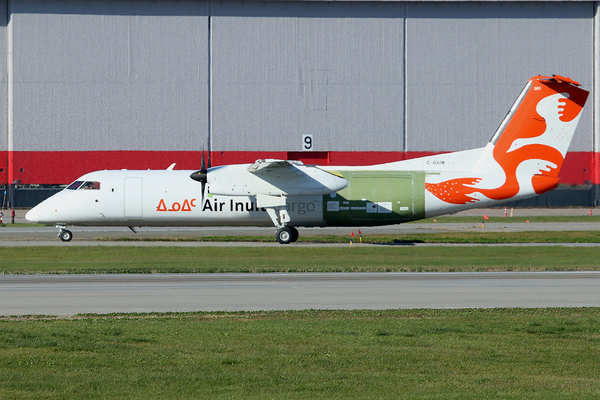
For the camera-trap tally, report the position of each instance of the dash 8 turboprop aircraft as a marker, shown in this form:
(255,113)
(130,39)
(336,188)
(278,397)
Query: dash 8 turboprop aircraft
(522,159)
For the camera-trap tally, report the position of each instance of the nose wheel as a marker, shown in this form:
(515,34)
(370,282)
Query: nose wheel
(65,235)
(286,234)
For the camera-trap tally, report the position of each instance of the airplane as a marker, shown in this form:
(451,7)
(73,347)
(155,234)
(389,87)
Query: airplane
(522,160)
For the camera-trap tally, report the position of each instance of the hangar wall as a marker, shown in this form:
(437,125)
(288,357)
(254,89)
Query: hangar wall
(102,84)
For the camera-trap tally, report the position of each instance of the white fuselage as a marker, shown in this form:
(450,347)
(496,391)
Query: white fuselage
(161,198)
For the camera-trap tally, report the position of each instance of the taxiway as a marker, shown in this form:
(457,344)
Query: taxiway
(76,294)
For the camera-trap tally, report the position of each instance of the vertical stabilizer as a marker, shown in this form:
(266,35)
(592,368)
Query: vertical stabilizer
(526,153)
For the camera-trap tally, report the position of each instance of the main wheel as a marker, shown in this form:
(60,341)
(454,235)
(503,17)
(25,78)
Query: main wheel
(65,235)
(284,235)
(295,233)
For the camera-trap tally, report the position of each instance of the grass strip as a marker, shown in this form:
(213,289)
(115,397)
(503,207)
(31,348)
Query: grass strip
(430,237)
(497,237)
(18,260)
(409,354)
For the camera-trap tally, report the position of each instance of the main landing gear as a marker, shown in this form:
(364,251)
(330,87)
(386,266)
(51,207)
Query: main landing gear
(280,217)
(65,235)
(286,234)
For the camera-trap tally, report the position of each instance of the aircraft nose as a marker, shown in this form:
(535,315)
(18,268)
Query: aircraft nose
(39,214)
(32,215)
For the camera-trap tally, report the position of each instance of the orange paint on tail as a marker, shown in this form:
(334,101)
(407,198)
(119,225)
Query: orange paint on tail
(453,191)
(527,136)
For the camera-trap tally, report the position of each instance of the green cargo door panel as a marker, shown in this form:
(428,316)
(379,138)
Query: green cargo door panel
(376,198)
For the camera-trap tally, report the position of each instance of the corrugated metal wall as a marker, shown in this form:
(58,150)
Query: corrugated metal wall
(3,78)
(467,62)
(104,75)
(334,70)
(256,76)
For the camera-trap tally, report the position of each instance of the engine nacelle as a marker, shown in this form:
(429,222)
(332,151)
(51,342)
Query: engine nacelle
(294,180)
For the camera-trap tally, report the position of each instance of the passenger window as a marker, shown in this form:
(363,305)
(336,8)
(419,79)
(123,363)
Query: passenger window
(75,185)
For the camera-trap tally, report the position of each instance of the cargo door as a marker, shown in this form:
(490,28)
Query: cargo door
(383,196)
(376,198)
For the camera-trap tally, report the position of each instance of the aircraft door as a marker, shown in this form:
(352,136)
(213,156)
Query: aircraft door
(384,195)
(375,198)
(133,198)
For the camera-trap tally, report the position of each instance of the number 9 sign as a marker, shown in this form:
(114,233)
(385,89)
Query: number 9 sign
(307,142)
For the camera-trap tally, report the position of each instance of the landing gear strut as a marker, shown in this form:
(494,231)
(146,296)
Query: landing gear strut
(65,235)
(286,234)
(276,208)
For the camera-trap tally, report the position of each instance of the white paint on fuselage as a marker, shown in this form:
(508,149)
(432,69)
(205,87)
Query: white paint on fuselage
(459,161)
(168,198)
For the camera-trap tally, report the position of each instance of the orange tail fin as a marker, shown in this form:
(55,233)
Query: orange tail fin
(529,147)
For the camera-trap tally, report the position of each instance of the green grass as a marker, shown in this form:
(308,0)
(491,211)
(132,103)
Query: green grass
(22,225)
(402,354)
(430,237)
(19,260)
(495,237)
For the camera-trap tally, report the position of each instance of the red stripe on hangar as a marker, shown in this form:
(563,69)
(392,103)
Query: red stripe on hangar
(62,167)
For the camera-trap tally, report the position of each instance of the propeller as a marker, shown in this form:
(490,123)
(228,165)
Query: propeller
(201,176)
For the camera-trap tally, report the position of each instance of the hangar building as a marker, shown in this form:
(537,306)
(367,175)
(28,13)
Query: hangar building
(138,84)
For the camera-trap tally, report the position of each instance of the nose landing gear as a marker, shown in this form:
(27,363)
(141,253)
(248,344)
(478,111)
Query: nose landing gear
(65,235)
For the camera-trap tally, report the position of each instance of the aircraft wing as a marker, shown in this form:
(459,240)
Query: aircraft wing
(274,178)
(279,168)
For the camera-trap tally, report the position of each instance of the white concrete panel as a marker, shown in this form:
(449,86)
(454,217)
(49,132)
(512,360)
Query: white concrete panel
(467,62)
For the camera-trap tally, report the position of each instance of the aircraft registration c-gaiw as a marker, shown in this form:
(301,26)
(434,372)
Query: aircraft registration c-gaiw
(522,159)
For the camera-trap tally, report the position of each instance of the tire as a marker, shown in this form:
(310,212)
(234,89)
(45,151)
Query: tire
(65,235)
(295,233)
(284,235)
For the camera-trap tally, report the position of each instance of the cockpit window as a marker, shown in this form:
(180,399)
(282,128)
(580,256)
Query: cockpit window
(75,185)
(81,185)
(90,186)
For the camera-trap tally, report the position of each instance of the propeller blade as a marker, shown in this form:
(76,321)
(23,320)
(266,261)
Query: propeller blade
(201,176)
(203,185)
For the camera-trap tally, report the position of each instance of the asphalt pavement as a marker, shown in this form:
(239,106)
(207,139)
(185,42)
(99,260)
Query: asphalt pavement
(76,294)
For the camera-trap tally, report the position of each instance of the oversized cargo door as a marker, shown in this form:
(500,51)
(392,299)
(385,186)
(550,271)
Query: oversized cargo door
(133,197)
(376,198)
